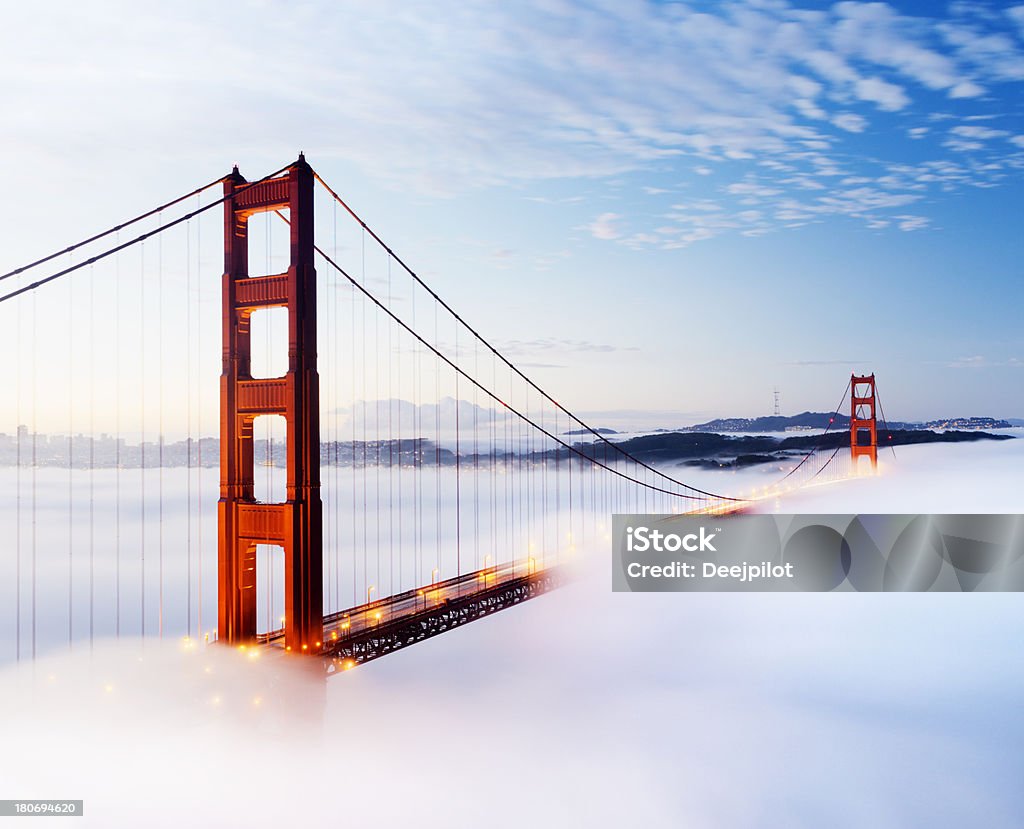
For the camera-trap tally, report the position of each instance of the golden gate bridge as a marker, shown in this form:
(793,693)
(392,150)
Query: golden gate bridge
(352,526)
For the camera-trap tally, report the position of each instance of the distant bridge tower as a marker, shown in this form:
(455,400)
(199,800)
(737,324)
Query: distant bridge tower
(863,426)
(295,525)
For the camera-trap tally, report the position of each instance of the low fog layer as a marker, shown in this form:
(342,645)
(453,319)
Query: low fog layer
(983,477)
(582,707)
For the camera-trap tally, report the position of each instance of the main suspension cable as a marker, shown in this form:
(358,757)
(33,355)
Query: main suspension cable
(572,448)
(114,229)
(821,437)
(141,238)
(500,356)
(888,431)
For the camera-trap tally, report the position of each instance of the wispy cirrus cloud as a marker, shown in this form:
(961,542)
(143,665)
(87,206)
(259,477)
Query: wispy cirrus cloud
(808,363)
(553,345)
(462,95)
(979,361)
(604,226)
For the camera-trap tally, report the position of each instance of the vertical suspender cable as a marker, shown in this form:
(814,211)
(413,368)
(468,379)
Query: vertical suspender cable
(362,363)
(268,443)
(437,451)
(417,483)
(336,372)
(352,426)
(35,458)
(71,459)
(117,443)
(331,378)
(458,472)
(92,454)
(398,430)
(160,428)
(391,456)
(142,441)
(376,434)
(188,427)
(493,434)
(199,426)
(476,462)
(17,535)
(556,473)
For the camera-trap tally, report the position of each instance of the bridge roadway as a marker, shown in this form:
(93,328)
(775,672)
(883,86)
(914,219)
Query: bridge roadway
(371,630)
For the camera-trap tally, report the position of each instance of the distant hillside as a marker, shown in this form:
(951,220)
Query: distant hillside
(717,450)
(820,420)
(969,423)
(772,423)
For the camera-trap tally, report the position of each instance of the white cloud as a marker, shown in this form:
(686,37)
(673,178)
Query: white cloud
(752,189)
(850,121)
(809,109)
(804,183)
(640,83)
(966,89)
(887,95)
(994,52)
(601,90)
(604,226)
(962,145)
(908,223)
(977,361)
(972,131)
(1016,14)
(876,33)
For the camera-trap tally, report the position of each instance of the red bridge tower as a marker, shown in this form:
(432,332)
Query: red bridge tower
(863,426)
(295,525)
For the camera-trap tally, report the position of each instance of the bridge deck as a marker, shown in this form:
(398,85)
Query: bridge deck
(376,628)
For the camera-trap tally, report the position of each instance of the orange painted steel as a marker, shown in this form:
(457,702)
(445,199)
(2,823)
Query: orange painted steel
(862,418)
(297,524)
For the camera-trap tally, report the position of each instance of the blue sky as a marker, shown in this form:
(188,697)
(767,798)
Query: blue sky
(671,206)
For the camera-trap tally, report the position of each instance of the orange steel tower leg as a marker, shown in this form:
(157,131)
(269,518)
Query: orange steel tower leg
(295,525)
(862,419)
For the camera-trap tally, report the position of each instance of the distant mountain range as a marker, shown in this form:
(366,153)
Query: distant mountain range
(713,450)
(820,420)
